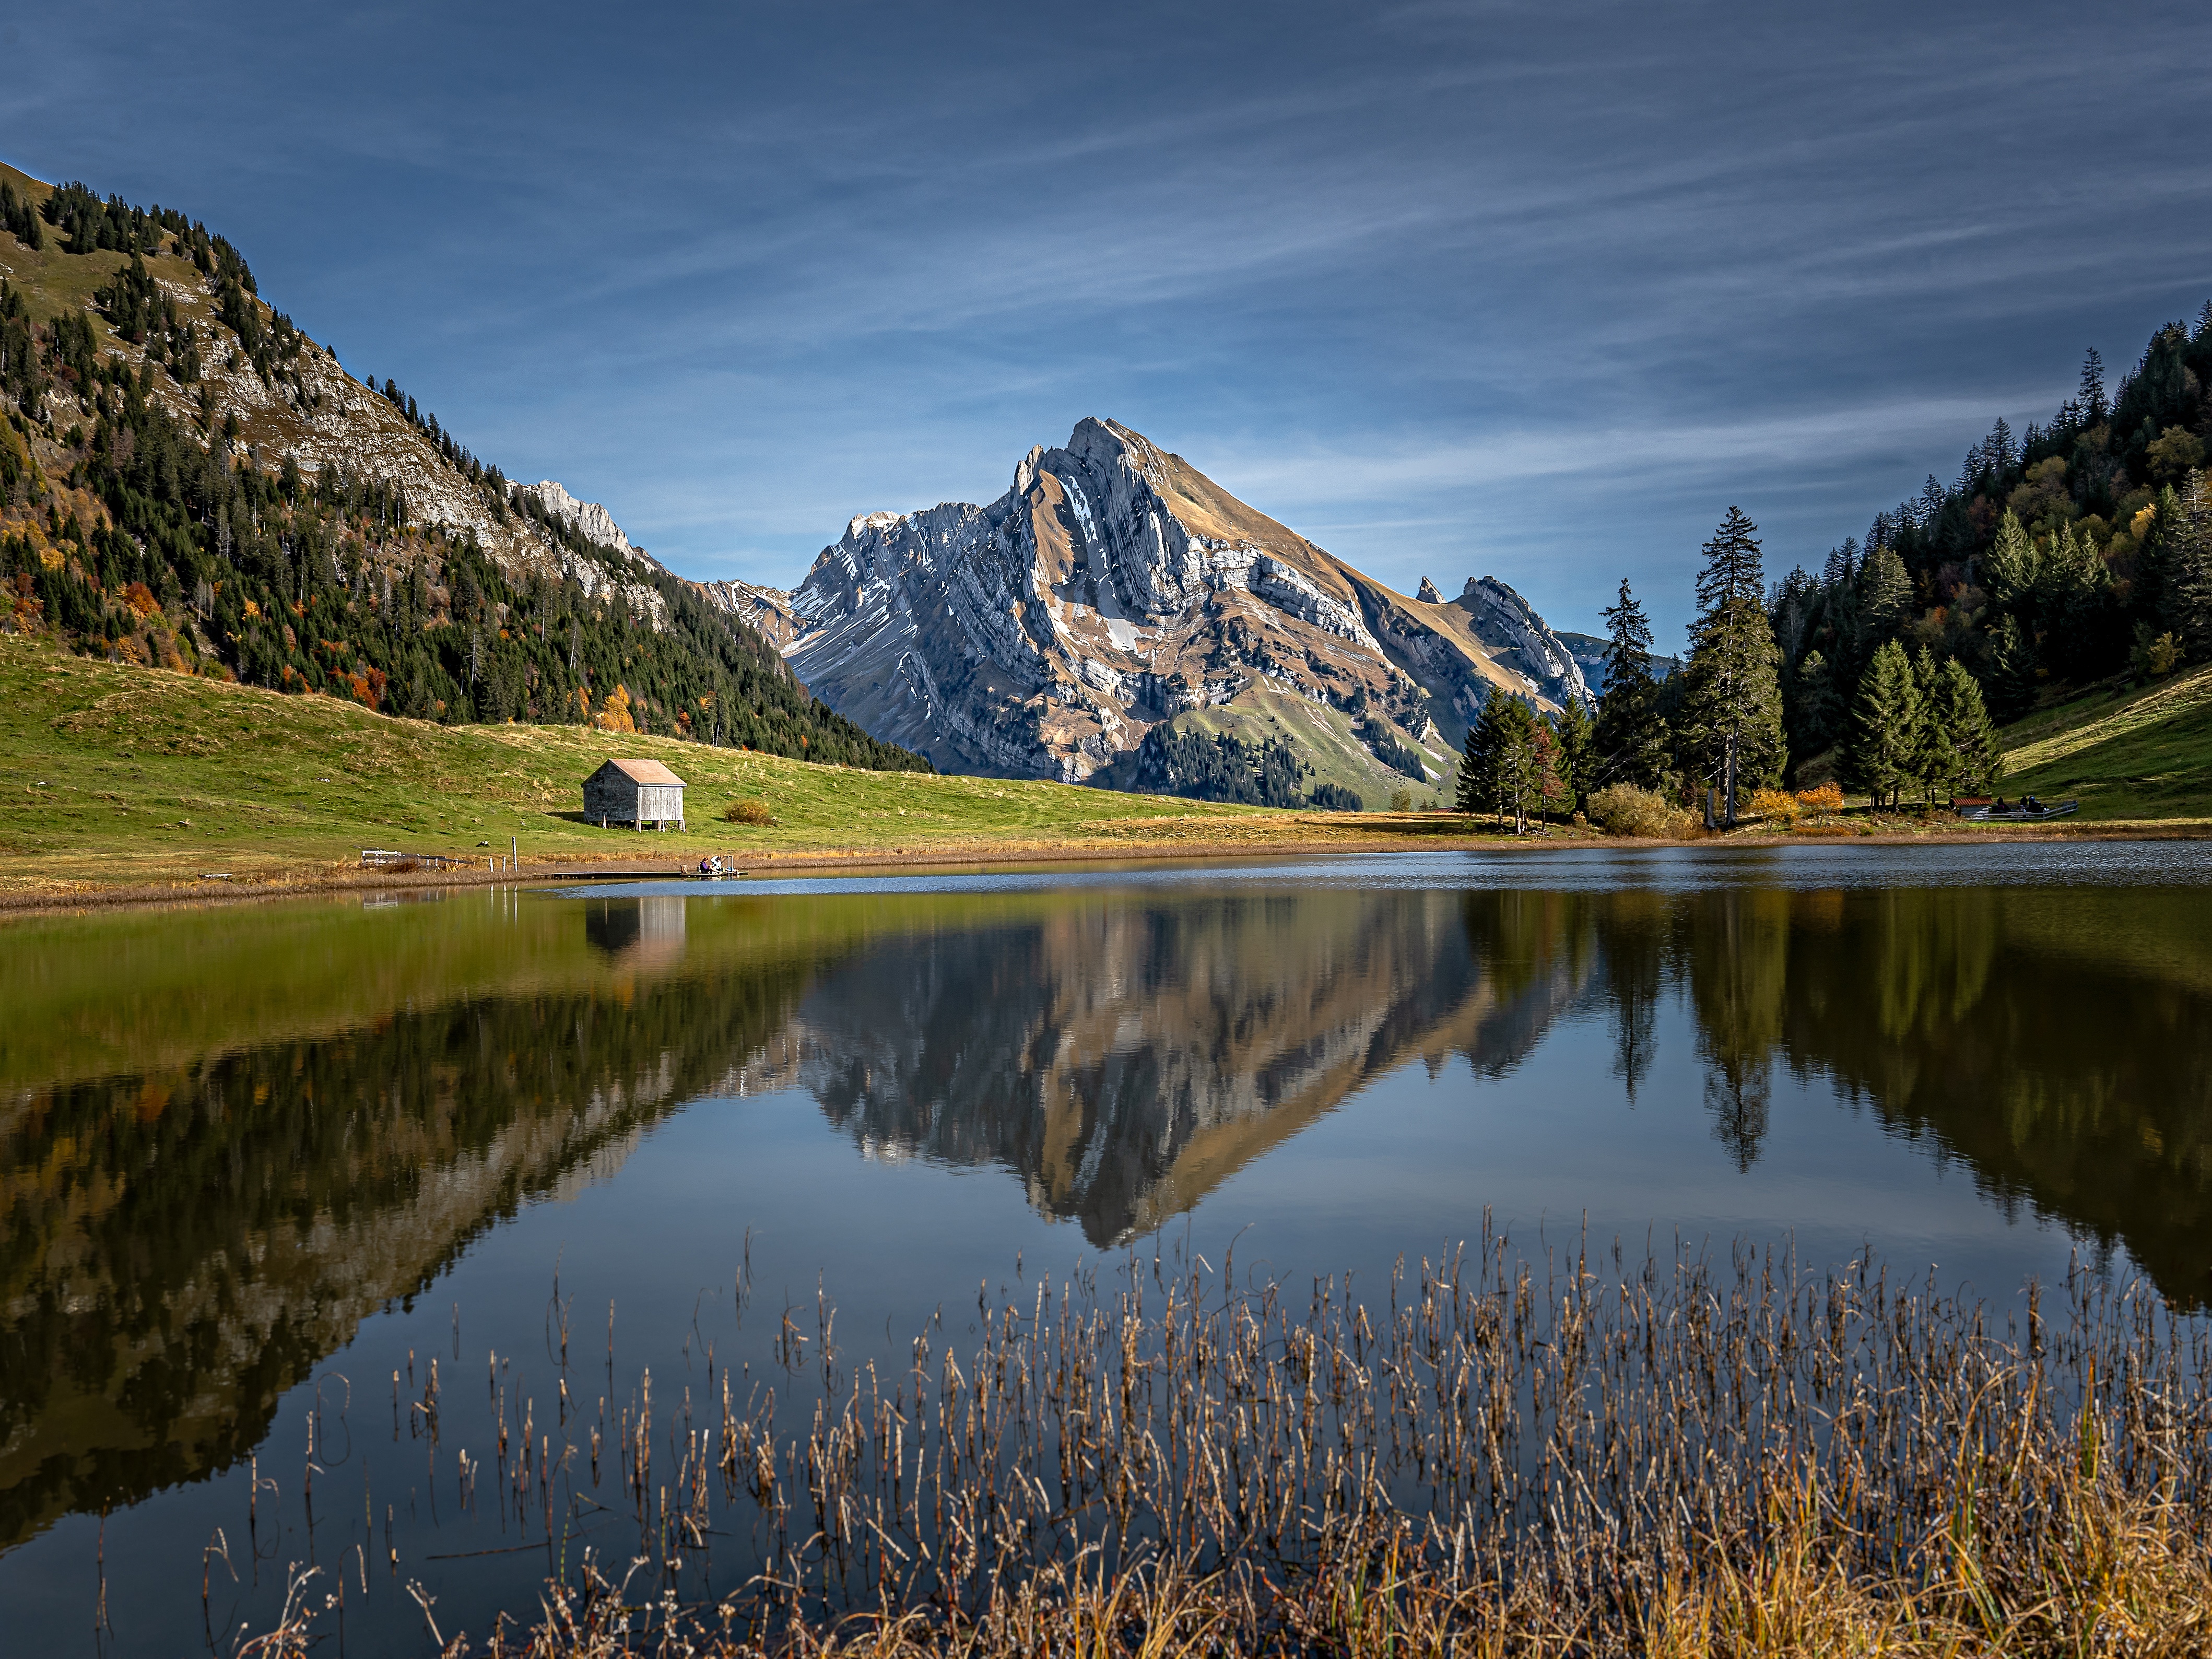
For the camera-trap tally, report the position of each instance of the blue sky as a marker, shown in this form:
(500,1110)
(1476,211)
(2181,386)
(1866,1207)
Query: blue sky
(1535,291)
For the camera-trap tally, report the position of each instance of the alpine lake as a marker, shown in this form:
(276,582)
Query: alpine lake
(353,1235)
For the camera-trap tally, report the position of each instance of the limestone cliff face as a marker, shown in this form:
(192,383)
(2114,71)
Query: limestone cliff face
(1112,587)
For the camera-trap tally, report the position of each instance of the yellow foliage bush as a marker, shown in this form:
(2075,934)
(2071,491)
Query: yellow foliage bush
(749,812)
(1776,803)
(1624,810)
(614,713)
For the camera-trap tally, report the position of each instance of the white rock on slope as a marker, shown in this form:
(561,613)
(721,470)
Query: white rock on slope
(589,517)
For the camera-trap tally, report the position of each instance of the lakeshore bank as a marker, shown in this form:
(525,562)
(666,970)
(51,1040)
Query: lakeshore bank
(124,784)
(72,884)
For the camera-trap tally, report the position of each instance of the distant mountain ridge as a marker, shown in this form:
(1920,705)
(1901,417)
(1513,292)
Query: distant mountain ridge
(1115,592)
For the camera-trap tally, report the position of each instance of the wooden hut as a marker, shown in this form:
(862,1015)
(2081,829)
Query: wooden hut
(634,792)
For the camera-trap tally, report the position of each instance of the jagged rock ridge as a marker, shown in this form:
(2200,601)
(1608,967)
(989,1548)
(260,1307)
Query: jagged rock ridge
(1115,587)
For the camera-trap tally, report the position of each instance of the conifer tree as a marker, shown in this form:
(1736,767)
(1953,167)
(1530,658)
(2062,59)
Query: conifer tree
(1964,718)
(1818,707)
(1576,738)
(2012,663)
(2073,591)
(1883,747)
(1529,775)
(1479,763)
(1935,764)
(2184,538)
(2093,406)
(1885,594)
(1510,765)
(2014,564)
(1733,703)
(1631,738)
(1628,640)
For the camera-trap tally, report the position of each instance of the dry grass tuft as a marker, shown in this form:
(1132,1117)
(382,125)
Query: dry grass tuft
(1622,809)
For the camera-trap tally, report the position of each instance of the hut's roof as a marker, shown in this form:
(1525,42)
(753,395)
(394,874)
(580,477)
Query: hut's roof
(644,771)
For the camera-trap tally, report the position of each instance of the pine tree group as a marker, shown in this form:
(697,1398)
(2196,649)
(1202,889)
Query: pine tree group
(1511,766)
(1917,723)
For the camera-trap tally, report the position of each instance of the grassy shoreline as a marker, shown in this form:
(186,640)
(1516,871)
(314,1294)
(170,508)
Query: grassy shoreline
(130,785)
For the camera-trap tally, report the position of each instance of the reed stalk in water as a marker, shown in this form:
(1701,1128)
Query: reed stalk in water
(1484,1456)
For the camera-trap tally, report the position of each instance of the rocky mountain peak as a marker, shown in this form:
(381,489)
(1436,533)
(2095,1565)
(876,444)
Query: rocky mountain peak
(1115,590)
(1428,595)
(1524,643)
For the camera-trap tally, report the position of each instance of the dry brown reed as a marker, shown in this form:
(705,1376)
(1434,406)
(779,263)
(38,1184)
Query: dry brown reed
(1484,1455)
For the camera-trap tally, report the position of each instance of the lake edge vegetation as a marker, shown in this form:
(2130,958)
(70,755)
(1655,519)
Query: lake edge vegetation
(1577,1455)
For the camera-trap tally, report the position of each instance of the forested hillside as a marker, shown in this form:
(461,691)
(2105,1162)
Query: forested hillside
(188,480)
(2066,555)
(2077,554)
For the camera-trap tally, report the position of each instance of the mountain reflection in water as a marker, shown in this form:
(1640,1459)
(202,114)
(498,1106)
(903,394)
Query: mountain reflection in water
(1124,1059)
(224,1143)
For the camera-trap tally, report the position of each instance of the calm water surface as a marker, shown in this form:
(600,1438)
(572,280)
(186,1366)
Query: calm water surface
(260,1167)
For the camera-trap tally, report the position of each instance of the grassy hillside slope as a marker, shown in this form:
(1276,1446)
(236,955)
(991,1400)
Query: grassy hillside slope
(1324,740)
(118,774)
(2140,753)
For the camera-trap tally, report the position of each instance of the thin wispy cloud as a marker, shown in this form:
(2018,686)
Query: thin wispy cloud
(1531,288)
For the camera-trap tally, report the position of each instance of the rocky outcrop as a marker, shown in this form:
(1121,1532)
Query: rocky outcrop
(1519,640)
(1112,587)
(766,610)
(314,413)
(589,517)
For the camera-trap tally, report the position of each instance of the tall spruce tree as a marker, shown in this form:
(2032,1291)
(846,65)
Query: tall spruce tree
(1817,708)
(1527,764)
(1732,703)
(1631,739)
(1479,763)
(2184,538)
(1936,764)
(2014,562)
(1964,718)
(1883,748)
(2073,592)
(1577,740)
(1510,763)
(2013,666)
(1884,596)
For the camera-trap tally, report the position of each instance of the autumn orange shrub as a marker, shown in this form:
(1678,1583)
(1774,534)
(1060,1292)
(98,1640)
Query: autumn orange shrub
(1828,798)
